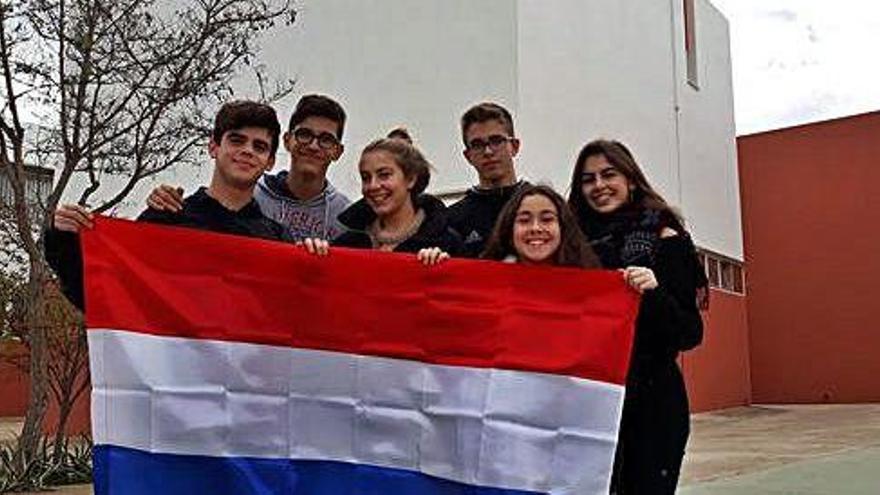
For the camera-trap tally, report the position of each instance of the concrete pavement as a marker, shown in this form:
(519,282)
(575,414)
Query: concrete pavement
(791,449)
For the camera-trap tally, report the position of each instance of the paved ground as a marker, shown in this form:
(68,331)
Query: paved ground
(68,490)
(9,428)
(761,450)
(845,473)
(775,450)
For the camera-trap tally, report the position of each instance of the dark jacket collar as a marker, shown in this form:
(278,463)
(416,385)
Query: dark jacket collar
(495,192)
(202,200)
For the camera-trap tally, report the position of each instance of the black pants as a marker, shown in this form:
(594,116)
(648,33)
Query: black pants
(653,434)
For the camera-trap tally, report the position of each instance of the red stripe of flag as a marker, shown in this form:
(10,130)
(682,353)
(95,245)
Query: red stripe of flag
(187,283)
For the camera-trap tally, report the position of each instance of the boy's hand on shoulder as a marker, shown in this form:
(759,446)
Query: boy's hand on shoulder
(166,198)
(72,218)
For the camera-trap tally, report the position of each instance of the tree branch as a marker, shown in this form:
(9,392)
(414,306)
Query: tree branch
(12,103)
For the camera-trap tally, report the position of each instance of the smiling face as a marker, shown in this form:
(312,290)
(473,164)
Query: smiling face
(536,232)
(604,187)
(242,155)
(383,184)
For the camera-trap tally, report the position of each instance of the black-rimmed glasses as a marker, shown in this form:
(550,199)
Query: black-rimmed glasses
(305,136)
(494,142)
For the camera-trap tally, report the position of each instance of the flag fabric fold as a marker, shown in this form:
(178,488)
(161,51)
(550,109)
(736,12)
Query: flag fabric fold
(231,365)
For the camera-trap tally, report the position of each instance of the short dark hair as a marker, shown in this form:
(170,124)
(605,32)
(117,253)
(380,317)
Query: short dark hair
(239,114)
(410,160)
(483,112)
(318,106)
(574,250)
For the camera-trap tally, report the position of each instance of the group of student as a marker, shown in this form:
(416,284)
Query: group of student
(611,219)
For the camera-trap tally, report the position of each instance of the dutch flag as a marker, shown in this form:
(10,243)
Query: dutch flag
(229,365)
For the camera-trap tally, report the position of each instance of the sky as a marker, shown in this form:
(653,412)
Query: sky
(798,61)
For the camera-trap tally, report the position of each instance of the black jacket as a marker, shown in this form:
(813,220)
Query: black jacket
(434,231)
(474,216)
(655,425)
(200,211)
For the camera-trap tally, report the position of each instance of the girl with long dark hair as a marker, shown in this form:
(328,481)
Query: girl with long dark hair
(536,227)
(633,228)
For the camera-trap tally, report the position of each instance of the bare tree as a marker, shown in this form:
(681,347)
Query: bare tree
(68,372)
(67,348)
(113,91)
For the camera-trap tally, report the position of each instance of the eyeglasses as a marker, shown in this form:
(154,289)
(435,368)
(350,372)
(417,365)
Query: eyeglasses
(494,142)
(305,136)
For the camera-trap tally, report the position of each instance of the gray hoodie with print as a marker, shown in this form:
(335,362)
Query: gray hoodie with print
(315,217)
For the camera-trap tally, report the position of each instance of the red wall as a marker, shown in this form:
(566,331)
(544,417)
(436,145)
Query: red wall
(15,389)
(13,386)
(79,422)
(717,372)
(811,227)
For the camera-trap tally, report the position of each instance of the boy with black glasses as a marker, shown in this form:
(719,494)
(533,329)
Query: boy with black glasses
(490,147)
(301,198)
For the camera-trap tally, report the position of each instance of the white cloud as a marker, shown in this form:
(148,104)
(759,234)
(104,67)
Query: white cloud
(797,61)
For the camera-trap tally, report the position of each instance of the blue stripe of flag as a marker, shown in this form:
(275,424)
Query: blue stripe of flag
(120,470)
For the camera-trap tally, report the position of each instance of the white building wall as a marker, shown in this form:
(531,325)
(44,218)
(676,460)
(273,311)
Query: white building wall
(593,69)
(399,62)
(708,173)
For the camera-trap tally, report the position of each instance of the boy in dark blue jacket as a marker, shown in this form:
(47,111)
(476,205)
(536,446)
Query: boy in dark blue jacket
(243,146)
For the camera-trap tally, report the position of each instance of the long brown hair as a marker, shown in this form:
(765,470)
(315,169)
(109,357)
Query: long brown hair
(573,247)
(620,157)
(643,196)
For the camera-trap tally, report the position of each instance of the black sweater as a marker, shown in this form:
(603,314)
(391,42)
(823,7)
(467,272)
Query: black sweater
(434,231)
(669,320)
(200,211)
(474,216)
